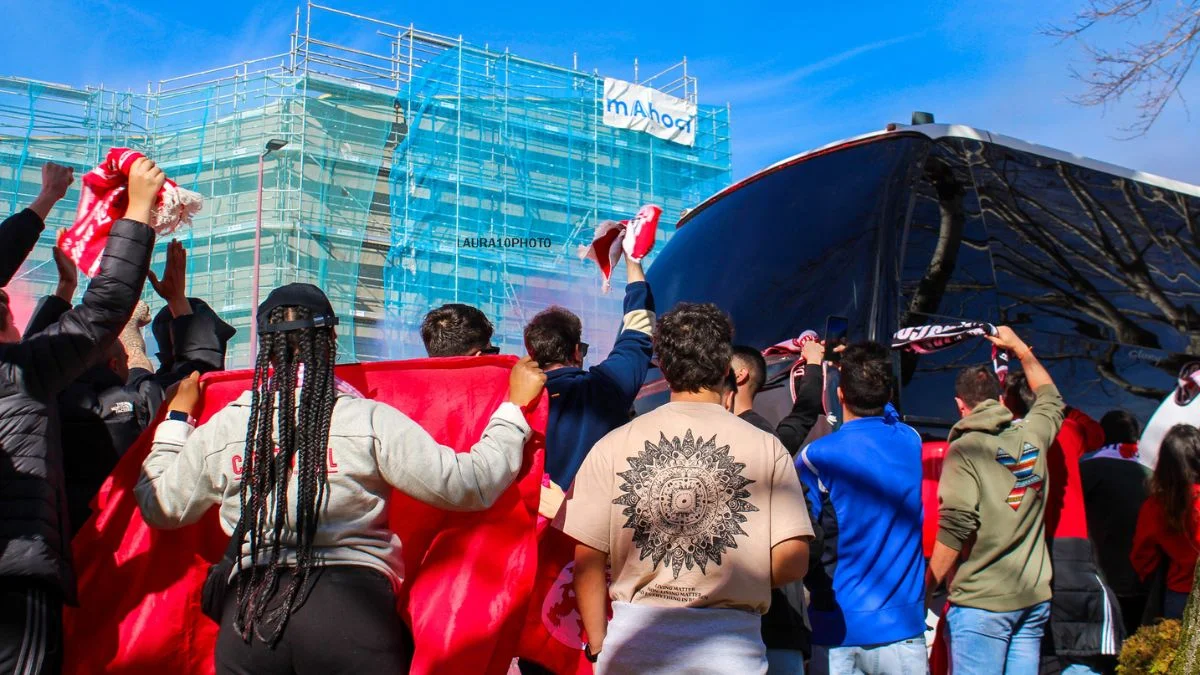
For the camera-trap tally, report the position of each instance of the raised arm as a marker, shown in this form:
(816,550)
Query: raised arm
(625,368)
(414,463)
(19,233)
(177,484)
(1046,415)
(794,428)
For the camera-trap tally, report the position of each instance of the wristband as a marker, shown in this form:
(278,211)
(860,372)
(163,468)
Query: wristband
(587,653)
(180,416)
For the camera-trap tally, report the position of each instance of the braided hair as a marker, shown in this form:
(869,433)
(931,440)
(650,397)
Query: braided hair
(287,360)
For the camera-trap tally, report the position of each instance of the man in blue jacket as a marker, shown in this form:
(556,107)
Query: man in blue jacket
(864,483)
(587,404)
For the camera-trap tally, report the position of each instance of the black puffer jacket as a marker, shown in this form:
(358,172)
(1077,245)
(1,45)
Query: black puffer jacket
(103,415)
(33,519)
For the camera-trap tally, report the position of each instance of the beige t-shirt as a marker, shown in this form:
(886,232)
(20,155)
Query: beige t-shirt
(687,500)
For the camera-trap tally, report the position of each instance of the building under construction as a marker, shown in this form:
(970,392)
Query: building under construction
(403,155)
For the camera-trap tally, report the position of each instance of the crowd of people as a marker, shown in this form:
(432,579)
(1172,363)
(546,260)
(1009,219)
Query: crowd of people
(708,539)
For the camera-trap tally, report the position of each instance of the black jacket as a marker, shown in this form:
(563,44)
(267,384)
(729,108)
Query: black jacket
(793,430)
(33,512)
(18,235)
(103,415)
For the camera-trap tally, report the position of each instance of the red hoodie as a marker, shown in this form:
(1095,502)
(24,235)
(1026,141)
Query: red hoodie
(1065,515)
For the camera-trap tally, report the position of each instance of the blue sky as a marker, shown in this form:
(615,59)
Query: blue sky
(797,77)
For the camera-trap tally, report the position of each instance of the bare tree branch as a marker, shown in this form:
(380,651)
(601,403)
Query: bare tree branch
(1150,70)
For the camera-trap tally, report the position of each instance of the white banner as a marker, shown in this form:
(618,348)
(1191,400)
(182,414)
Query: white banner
(631,106)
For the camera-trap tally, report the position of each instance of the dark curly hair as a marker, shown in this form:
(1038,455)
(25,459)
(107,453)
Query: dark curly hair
(694,344)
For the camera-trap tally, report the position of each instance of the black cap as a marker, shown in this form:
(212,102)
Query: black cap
(297,295)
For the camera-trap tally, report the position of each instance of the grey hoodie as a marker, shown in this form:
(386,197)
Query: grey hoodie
(372,449)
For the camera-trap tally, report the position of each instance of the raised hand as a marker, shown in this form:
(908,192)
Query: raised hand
(56,179)
(145,180)
(813,352)
(1008,340)
(172,287)
(68,275)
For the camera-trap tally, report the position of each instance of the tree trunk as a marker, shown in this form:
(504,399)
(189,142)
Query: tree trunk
(1187,658)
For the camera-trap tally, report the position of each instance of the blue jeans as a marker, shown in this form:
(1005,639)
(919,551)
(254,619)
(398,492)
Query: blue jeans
(906,657)
(982,641)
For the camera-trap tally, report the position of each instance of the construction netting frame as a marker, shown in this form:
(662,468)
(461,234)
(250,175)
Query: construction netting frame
(416,170)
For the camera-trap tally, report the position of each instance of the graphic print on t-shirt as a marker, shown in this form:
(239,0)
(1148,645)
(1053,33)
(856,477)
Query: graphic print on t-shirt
(1022,470)
(684,501)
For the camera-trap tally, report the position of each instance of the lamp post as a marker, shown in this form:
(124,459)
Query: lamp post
(272,145)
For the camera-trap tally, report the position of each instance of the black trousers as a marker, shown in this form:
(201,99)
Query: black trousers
(346,623)
(30,629)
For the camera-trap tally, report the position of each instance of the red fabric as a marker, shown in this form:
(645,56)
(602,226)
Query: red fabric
(635,237)
(102,201)
(1065,515)
(553,632)
(467,580)
(933,454)
(1153,538)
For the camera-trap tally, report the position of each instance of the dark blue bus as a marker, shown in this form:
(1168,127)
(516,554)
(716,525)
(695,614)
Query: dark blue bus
(1096,266)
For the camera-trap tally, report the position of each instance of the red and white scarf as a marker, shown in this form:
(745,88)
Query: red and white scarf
(635,237)
(936,337)
(794,346)
(103,200)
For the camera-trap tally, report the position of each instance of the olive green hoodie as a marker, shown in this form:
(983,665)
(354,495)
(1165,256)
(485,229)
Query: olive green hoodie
(993,487)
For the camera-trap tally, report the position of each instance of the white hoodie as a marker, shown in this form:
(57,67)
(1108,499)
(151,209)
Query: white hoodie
(372,449)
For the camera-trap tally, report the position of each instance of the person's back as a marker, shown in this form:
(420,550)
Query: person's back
(993,498)
(699,513)
(586,404)
(1168,526)
(864,484)
(1009,565)
(1114,488)
(331,550)
(36,571)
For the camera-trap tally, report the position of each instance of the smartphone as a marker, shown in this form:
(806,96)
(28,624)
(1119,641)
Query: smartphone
(836,329)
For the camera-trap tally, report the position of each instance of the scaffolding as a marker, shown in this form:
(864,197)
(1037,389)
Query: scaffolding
(418,170)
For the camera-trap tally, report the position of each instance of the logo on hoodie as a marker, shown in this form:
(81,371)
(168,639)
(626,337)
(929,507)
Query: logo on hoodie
(1022,470)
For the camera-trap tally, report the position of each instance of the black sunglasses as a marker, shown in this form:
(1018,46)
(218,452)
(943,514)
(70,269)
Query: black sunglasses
(583,349)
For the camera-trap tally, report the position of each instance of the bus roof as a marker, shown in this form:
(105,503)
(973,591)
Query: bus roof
(939,131)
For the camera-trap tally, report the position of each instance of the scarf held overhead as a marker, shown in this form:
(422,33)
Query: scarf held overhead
(467,578)
(103,200)
(936,337)
(635,237)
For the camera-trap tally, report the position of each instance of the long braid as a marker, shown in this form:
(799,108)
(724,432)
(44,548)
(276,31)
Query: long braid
(303,446)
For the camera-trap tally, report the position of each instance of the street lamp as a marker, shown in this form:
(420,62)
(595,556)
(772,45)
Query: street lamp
(272,145)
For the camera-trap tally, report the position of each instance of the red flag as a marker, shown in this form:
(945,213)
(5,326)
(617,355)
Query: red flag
(467,580)
(635,237)
(553,632)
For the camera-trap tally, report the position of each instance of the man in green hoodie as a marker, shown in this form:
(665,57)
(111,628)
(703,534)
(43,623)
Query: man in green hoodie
(992,497)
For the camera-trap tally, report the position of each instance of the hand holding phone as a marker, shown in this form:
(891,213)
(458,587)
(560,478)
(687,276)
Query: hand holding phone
(836,330)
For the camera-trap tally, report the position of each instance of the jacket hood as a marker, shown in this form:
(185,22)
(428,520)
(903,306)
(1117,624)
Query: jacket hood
(990,417)
(161,329)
